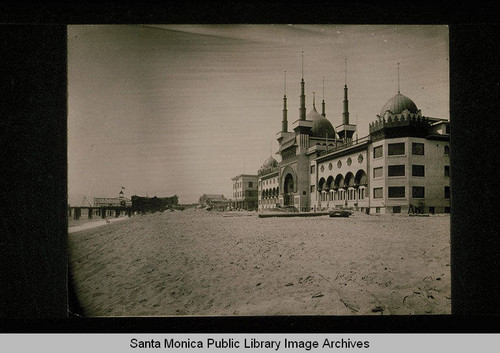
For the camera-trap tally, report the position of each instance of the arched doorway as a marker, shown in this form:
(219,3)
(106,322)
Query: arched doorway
(321,188)
(338,184)
(329,187)
(361,179)
(288,190)
(360,183)
(349,186)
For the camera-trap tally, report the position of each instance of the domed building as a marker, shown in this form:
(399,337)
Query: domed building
(398,105)
(321,127)
(268,184)
(269,163)
(402,166)
(313,136)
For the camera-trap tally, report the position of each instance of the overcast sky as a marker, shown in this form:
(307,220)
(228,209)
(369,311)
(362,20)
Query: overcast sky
(182,109)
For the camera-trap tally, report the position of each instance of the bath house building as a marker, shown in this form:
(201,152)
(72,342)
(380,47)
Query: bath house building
(402,166)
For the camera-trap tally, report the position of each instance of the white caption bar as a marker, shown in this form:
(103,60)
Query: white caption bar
(249,343)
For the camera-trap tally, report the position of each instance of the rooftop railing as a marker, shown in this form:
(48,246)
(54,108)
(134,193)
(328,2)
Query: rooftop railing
(341,145)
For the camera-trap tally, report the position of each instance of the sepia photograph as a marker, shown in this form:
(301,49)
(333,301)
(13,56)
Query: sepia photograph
(258,170)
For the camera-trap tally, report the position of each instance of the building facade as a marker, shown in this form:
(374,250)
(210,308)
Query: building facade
(402,166)
(268,184)
(245,192)
(120,201)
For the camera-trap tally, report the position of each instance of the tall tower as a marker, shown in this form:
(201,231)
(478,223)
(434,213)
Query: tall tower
(294,167)
(346,130)
(323,102)
(284,122)
(302,127)
(302,109)
(345,114)
(399,92)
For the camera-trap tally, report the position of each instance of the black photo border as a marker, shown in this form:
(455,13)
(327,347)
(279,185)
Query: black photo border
(33,126)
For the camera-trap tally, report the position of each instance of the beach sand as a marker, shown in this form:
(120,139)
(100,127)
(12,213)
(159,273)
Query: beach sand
(76,225)
(196,262)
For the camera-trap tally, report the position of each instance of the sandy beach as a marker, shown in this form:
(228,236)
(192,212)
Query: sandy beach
(85,223)
(196,262)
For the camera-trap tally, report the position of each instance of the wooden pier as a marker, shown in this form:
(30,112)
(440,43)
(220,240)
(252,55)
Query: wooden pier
(103,212)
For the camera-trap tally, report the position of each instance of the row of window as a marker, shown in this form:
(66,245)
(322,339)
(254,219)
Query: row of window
(417,192)
(339,164)
(350,194)
(249,193)
(267,182)
(269,193)
(398,149)
(432,210)
(239,184)
(399,170)
(272,201)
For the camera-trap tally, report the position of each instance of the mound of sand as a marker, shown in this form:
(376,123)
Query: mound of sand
(204,263)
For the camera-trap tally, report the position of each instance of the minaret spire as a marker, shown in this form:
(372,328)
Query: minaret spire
(346,130)
(302,65)
(302,109)
(345,114)
(345,72)
(314,100)
(284,88)
(398,80)
(323,102)
(284,122)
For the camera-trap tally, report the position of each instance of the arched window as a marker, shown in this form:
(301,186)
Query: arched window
(349,179)
(330,182)
(360,178)
(446,149)
(321,183)
(339,181)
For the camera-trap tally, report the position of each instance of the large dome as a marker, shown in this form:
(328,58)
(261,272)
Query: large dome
(270,162)
(321,125)
(398,104)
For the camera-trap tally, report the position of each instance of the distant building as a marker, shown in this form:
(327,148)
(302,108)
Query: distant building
(153,204)
(119,201)
(218,202)
(245,192)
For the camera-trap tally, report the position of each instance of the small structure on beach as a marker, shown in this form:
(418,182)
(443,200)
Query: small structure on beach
(340,213)
(153,204)
(214,201)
